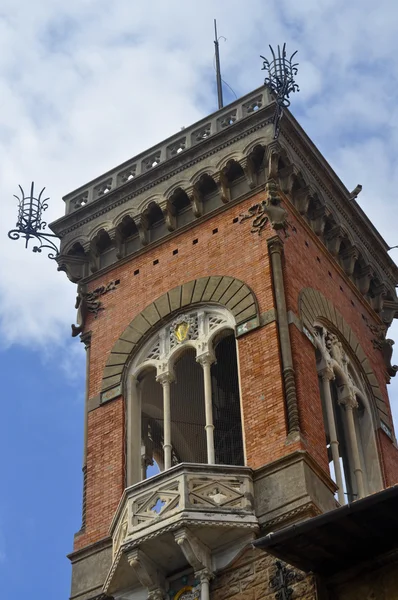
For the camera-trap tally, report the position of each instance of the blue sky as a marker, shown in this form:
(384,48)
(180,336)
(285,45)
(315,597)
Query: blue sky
(87,84)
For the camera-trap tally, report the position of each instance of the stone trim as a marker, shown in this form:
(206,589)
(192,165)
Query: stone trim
(275,249)
(315,164)
(314,306)
(226,291)
(93,403)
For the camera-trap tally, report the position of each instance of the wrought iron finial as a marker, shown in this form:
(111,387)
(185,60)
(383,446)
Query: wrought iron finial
(30,223)
(280,80)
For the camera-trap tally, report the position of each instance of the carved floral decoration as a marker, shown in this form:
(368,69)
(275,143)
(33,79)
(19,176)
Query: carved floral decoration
(88,302)
(269,210)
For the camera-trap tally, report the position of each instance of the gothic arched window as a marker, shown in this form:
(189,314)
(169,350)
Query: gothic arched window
(183,395)
(349,428)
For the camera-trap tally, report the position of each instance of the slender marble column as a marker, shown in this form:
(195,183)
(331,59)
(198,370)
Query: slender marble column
(206,360)
(134,472)
(204,577)
(165,379)
(327,375)
(350,403)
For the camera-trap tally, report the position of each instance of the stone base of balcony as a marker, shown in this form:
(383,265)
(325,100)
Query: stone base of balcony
(291,489)
(195,516)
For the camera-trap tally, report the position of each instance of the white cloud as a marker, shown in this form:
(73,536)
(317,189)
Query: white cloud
(87,84)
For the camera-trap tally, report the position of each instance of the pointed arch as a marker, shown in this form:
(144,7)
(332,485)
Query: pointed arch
(313,307)
(225,291)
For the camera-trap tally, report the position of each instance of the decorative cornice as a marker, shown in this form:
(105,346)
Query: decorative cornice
(293,135)
(123,194)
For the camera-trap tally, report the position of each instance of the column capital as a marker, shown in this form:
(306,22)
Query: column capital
(275,245)
(165,377)
(327,373)
(207,358)
(349,400)
(204,575)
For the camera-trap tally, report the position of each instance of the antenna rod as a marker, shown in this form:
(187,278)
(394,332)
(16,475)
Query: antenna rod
(218,69)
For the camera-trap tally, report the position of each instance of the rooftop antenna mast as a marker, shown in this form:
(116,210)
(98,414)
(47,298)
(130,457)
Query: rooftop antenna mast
(218,69)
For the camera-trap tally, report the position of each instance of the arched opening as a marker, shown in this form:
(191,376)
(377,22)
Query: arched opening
(183,398)
(155,221)
(226,403)
(152,433)
(104,249)
(348,422)
(181,207)
(188,410)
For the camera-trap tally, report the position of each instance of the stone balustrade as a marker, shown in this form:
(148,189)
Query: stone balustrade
(169,149)
(203,495)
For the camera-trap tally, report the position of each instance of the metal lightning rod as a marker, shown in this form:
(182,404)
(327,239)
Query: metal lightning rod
(218,68)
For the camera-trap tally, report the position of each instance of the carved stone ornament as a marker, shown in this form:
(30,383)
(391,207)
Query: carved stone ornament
(188,592)
(380,342)
(87,302)
(269,210)
(181,328)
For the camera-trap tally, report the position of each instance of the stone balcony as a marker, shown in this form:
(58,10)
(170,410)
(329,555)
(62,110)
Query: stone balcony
(191,515)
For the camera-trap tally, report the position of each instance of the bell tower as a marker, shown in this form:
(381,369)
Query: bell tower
(233,299)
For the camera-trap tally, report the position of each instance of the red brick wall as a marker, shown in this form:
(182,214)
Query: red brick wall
(236,252)
(105,470)
(232,251)
(308,264)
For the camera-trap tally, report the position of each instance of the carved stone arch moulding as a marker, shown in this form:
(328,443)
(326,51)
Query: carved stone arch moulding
(313,306)
(220,290)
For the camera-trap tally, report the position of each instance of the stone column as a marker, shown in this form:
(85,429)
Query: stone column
(165,379)
(204,577)
(275,248)
(350,402)
(86,339)
(133,432)
(327,375)
(206,360)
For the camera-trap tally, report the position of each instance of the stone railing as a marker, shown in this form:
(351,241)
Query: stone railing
(206,494)
(168,149)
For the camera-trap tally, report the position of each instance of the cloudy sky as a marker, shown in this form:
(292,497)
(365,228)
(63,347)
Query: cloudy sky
(85,85)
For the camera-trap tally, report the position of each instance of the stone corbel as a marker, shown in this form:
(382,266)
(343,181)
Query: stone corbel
(118,240)
(223,185)
(318,220)
(197,554)
(148,574)
(348,259)
(170,215)
(93,255)
(364,279)
(302,200)
(273,151)
(196,199)
(249,171)
(333,239)
(287,178)
(73,266)
(377,300)
(142,224)
(390,311)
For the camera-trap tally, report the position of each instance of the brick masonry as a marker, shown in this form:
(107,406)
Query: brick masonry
(224,247)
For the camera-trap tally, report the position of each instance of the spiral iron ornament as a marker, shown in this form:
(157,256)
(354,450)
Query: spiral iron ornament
(30,224)
(281,81)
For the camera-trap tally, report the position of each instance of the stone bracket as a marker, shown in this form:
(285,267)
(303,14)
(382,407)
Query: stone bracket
(148,573)
(197,554)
